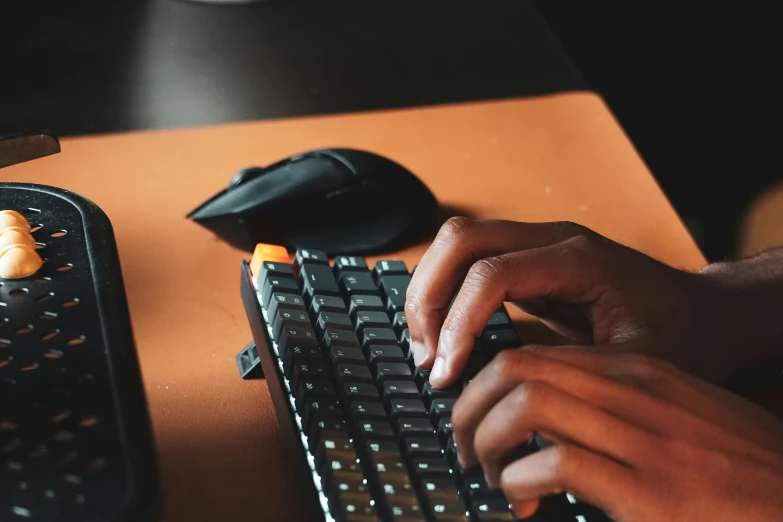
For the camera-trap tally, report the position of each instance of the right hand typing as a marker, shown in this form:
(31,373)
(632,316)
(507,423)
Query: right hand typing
(581,284)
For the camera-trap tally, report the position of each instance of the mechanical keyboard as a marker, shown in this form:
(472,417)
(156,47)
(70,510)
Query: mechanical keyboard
(369,437)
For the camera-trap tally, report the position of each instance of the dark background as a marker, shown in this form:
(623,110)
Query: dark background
(694,86)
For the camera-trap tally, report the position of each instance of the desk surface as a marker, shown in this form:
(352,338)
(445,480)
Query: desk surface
(560,157)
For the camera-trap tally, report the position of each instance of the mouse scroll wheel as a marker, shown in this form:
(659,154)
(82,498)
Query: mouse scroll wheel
(245,175)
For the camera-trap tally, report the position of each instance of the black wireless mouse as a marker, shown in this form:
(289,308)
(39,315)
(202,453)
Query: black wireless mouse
(341,201)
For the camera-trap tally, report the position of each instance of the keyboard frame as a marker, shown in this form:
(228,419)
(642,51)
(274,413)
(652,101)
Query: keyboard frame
(293,442)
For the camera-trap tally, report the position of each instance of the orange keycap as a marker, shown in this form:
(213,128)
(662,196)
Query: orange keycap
(265,252)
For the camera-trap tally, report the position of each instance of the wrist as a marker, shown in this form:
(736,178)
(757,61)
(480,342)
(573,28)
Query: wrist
(745,299)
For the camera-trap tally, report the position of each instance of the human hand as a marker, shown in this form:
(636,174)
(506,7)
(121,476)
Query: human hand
(579,283)
(632,435)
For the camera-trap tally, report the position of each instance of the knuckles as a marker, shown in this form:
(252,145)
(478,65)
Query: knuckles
(455,230)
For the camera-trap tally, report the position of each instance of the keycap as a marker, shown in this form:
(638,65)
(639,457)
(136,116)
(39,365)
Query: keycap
(327,447)
(353,373)
(448,511)
(288,319)
(273,269)
(301,336)
(339,355)
(499,320)
(319,406)
(431,467)
(405,342)
(371,320)
(364,303)
(421,376)
(326,303)
(476,486)
(384,353)
(342,338)
(367,410)
(407,408)
(378,336)
(395,371)
(399,323)
(300,353)
(428,393)
(440,408)
(343,264)
(394,288)
(285,301)
(444,429)
(404,507)
(277,284)
(360,391)
(383,268)
(421,447)
(308,370)
(399,390)
(376,429)
(351,507)
(334,320)
(306,256)
(264,252)
(412,427)
(318,280)
(309,388)
(500,338)
(326,428)
(492,510)
(344,481)
(440,489)
(358,283)
(384,451)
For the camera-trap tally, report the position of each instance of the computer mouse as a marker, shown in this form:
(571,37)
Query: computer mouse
(341,201)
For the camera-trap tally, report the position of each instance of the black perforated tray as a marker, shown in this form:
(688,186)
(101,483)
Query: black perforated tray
(75,436)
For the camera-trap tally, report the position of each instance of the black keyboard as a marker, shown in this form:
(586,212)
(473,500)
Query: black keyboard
(370,438)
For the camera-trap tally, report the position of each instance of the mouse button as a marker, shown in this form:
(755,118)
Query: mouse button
(245,175)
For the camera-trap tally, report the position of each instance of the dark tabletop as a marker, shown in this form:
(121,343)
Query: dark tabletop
(97,66)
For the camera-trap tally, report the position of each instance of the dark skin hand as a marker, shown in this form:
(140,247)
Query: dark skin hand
(631,434)
(595,292)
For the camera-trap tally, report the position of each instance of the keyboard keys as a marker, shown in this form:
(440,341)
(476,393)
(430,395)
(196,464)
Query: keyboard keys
(333,320)
(396,371)
(273,269)
(384,353)
(345,264)
(306,256)
(380,434)
(441,408)
(379,336)
(358,283)
(284,301)
(384,268)
(301,336)
(399,390)
(277,284)
(399,323)
(326,303)
(367,410)
(499,320)
(394,288)
(318,280)
(299,353)
(413,427)
(360,391)
(288,319)
(407,408)
(371,320)
(365,303)
(490,509)
(353,373)
(339,355)
(340,338)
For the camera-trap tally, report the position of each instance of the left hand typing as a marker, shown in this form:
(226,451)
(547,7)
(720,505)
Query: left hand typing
(632,435)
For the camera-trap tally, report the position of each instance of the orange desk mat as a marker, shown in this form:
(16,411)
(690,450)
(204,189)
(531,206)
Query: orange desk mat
(560,157)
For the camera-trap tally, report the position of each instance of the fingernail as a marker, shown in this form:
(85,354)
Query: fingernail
(437,370)
(419,353)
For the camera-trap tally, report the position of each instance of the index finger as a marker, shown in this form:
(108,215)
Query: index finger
(460,243)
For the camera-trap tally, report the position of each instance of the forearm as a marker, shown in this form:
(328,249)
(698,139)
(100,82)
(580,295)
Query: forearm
(750,296)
